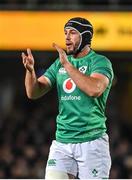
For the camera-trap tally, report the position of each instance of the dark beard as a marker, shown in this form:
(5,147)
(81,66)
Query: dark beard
(74,52)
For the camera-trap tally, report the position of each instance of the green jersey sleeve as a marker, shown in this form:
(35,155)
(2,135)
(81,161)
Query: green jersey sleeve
(103,66)
(51,73)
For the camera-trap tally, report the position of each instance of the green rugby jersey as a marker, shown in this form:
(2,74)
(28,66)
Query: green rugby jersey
(81,118)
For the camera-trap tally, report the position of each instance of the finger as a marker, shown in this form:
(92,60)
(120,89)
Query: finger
(29,52)
(59,49)
(24,57)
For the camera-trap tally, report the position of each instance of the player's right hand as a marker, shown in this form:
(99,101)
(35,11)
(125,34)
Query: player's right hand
(28,60)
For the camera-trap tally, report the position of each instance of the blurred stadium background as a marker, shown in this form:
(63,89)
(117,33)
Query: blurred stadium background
(27,127)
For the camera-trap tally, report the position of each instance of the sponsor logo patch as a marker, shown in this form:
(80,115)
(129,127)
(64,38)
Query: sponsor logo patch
(70,98)
(69,86)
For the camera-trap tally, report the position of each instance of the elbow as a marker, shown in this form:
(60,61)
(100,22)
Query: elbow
(31,96)
(94,94)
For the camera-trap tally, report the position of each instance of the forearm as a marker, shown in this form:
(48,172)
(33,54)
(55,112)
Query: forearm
(33,87)
(91,86)
(31,83)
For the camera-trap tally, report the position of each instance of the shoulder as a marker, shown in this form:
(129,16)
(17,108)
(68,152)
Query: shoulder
(99,58)
(57,61)
(101,64)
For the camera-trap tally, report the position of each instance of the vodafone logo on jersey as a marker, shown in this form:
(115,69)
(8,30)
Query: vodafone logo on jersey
(69,86)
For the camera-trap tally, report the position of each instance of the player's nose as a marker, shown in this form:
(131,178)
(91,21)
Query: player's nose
(68,36)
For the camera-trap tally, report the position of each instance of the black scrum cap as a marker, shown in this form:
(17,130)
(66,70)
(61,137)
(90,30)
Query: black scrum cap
(84,27)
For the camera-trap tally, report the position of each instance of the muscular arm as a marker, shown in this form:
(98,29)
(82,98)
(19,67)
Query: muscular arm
(93,85)
(35,88)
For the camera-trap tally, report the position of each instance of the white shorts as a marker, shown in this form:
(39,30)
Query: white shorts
(86,160)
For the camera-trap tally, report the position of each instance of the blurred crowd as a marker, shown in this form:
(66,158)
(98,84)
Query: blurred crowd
(94,2)
(65,2)
(27,128)
(26,131)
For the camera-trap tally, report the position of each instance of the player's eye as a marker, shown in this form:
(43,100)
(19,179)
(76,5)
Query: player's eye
(73,32)
(65,32)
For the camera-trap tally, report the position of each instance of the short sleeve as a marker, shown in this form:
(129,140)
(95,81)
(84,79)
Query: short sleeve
(51,72)
(103,66)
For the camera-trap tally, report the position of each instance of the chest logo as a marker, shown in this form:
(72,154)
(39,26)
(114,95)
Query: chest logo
(69,86)
(62,70)
(83,69)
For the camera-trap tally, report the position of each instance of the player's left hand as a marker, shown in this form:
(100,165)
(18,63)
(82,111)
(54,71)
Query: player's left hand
(62,54)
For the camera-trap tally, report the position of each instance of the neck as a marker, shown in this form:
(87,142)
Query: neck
(83,53)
